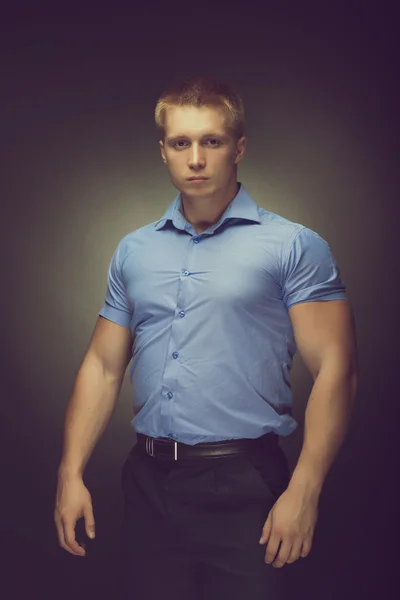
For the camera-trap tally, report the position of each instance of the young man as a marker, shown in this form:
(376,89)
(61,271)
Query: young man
(211,303)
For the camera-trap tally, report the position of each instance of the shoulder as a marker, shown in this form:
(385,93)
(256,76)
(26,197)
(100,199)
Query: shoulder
(279,230)
(290,232)
(133,239)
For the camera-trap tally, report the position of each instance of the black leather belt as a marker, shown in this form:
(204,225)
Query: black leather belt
(165,448)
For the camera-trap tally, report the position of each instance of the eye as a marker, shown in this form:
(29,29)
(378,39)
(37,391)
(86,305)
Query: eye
(212,141)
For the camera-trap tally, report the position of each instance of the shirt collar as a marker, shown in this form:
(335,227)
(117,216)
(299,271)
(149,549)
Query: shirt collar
(241,207)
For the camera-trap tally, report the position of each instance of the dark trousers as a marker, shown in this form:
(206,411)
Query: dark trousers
(191,529)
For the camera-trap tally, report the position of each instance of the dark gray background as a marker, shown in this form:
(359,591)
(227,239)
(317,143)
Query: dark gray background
(82,168)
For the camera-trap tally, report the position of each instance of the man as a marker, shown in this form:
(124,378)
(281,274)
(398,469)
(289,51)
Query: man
(211,303)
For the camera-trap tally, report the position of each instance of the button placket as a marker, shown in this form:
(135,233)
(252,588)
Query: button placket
(175,354)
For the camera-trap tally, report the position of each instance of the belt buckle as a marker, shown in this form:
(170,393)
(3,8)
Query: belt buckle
(150,448)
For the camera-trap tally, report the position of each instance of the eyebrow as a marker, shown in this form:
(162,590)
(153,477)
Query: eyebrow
(171,140)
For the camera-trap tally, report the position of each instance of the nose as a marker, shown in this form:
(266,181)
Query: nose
(196,159)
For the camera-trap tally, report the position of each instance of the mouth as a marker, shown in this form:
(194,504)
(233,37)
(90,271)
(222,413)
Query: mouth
(197,179)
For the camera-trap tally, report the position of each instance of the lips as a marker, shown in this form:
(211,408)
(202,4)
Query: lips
(197,178)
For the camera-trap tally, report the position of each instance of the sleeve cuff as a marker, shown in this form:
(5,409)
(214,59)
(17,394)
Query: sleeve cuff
(120,317)
(305,296)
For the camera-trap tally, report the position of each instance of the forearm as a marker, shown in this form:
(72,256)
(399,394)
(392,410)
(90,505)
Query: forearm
(327,419)
(88,412)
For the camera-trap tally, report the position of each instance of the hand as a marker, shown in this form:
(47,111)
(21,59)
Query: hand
(292,521)
(73,501)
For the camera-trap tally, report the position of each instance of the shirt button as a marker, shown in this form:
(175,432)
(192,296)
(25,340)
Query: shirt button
(170,394)
(175,354)
(186,273)
(182,313)
(196,241)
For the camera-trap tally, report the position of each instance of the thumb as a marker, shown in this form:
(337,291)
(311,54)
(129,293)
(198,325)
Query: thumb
(266,529)
(89,521)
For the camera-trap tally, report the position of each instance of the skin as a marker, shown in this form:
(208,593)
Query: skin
(197,142)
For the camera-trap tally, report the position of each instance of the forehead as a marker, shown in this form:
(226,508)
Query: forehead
(194,121)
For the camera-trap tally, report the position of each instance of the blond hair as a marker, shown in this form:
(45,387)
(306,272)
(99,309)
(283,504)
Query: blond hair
(202,91)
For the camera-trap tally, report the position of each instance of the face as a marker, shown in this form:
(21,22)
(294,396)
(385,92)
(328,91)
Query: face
(198,144)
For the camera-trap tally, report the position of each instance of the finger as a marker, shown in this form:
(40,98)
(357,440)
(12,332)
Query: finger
(283,554)
(266,531)
(60,533)
(89,521)
(272,548)
(69,537)
(295,552)
(306,548)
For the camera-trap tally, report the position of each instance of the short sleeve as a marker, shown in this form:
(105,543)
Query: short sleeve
(116,307)
(310,272)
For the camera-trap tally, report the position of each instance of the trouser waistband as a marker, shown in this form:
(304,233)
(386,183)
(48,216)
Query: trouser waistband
(165,448)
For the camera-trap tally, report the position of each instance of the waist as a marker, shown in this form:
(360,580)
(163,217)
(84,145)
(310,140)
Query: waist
(168,449)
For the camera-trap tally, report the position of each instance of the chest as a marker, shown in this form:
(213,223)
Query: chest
(240,270)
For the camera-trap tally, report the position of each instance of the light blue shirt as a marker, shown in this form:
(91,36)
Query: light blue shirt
(213,343)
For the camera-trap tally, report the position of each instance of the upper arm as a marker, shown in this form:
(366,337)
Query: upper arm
(325,332)
(111,346)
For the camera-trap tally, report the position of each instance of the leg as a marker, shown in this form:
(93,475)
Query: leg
(161,574)
(153,565)
(216,584)
(221,509)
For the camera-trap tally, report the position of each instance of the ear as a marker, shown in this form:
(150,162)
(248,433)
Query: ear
(240,150)
(162,151)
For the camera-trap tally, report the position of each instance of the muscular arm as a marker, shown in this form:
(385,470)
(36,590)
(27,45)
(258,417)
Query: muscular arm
(326,338)
(95,394)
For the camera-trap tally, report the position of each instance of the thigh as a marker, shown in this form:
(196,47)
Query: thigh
(166,574)
(231,558)
(152,562)
(216,583)
(221,511)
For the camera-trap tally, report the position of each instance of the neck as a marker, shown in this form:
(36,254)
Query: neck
(204,211)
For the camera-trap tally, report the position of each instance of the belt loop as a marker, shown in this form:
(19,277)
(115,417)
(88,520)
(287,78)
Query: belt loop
(176,450)
(150,446)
